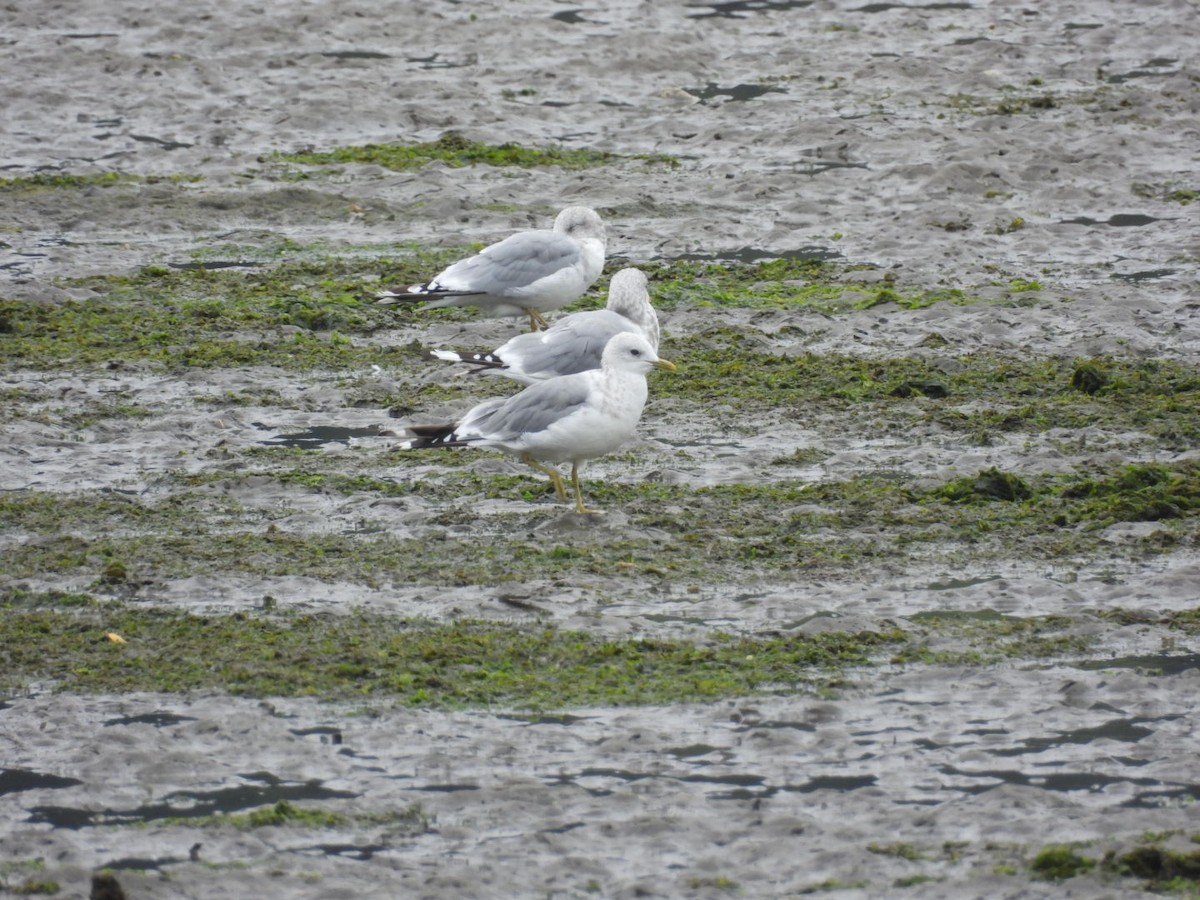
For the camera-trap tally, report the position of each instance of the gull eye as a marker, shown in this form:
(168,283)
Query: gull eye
(636,352)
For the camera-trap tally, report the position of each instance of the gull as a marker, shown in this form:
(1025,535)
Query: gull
(574,343)
(569,418)
(527,273)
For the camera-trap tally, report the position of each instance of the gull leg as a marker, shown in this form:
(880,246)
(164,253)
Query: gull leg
(579,507)
(536,320)
(559,488)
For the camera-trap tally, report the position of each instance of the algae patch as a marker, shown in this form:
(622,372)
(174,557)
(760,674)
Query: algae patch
(456,150)
(463,664)
(721,533)
(410,820)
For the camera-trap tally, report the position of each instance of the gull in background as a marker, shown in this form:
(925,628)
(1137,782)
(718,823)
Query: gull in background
(528,273)
(573,343)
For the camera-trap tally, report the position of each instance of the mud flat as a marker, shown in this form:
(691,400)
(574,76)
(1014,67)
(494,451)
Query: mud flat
(896,594)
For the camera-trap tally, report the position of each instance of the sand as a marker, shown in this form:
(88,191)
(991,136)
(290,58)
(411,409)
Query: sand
(874,133)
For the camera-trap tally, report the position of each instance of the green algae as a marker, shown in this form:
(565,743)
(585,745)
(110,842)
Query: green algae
(24,878)
(1162,869)
(455,150)
(413,663)
(988,486)
(314,312)
(1167,192)
(977,394)
(898,850)
(296,313)
(984,637)
(717,532)
(1060,862)
(66,181)
(411,820)
(1014,101)
(814,284)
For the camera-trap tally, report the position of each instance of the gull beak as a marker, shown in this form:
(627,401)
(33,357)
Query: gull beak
(665,365)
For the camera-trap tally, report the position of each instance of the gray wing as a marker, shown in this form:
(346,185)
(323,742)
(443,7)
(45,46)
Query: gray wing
(516,262)
(572,344)
(533,410)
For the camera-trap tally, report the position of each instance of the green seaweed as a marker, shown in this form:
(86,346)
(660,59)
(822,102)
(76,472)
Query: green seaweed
(771,529)
(67,181)
(414,663)
(1059,862)
(411,820)
(456,150)
(1163,869)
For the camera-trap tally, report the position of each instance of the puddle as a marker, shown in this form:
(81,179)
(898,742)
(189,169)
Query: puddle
(739,93)
(141,864)
(1161,664)
(1158,67)
(833,783)
(884,7)
(327,733)
(693,750)
(1062,781)
(446,788)
(157,719)
(192,804)
(1127,731)
(562,829)
(1147,275)
(952,584)
(13,781)
(746,781)
(1183,796)
(749,255)
(797,726)
(356,54)
(564,719)
(839,783)
(437,62)
(164,143)
(746,786)
(1120,220)
(345,851)
(621,774)
(738,9)
(319,435)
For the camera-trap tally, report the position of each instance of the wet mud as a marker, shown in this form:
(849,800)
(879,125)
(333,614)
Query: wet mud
(1040,159)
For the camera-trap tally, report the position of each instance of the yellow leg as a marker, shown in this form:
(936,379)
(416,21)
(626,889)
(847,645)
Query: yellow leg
(579,507)
(559,488)
(536,320)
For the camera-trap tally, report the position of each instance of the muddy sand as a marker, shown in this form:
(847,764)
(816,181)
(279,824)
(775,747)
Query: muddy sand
(1040,157)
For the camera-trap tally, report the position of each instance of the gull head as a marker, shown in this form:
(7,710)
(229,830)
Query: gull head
(580,223)
(629,352)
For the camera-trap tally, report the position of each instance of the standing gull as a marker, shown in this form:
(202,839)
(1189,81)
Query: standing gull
(528,273)
(570,418)
(574,343)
